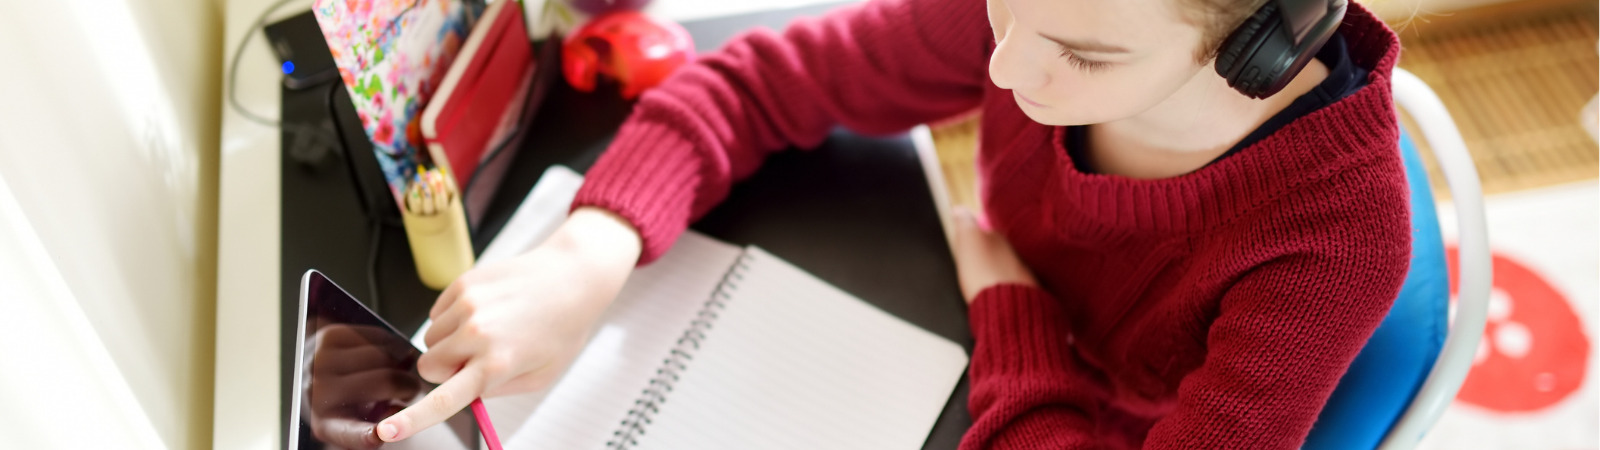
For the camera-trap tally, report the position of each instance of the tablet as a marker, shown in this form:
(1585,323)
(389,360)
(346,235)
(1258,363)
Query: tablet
(352,370)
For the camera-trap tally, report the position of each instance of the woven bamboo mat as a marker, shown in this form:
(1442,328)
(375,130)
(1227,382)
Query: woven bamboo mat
(1515,81)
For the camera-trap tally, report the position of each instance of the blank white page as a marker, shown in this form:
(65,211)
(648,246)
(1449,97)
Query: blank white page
(793,362)
(655,307)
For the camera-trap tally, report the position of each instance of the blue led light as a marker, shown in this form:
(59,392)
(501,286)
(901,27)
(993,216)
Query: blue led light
(288,67)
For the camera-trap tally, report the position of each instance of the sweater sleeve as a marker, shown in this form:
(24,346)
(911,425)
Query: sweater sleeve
(1029,389)
(878,67)
(1286,333)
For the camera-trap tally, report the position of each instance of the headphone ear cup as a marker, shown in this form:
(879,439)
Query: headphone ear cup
(1231,59)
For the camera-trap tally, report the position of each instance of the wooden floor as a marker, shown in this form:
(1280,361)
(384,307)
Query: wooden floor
(1514,77)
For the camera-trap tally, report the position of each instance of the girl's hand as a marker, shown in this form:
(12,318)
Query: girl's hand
(984,258)
(514,326)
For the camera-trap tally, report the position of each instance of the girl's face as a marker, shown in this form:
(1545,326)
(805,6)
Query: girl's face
(1078,62)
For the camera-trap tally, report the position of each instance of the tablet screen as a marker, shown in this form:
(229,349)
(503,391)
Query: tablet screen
(354,370)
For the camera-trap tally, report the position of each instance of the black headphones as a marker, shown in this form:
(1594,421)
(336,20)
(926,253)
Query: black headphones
(1270,48)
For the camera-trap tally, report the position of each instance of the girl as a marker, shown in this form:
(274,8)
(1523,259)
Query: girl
(1164,262)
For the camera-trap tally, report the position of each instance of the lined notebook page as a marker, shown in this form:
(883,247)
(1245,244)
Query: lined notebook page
(652,312)
(793,362)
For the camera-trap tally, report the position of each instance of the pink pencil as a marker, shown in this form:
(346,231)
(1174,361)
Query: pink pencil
(484,426)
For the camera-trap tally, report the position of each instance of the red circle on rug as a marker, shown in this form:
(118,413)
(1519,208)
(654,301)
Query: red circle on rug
(1534,352)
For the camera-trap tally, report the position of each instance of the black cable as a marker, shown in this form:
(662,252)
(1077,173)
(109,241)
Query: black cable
(375,219)
(233,66)
(314,133)
(372,266)
(369,210)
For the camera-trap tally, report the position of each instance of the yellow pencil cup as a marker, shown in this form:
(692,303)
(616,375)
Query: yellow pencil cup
(439,244)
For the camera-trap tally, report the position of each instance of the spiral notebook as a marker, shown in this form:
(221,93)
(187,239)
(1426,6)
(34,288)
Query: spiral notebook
(714,346)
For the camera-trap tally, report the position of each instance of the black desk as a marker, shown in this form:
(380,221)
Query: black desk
(855,211)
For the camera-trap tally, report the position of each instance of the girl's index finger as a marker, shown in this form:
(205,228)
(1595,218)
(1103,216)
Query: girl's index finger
(444,401)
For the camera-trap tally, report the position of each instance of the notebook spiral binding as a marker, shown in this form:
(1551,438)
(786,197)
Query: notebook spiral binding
(655,393)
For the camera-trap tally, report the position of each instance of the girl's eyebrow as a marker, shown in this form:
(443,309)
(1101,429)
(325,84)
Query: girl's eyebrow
(1086,46)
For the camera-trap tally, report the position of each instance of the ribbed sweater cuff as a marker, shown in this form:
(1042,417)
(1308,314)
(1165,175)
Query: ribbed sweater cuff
(1019,329)
(648,176)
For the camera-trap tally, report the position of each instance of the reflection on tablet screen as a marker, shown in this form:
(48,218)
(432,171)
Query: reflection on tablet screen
(354,370)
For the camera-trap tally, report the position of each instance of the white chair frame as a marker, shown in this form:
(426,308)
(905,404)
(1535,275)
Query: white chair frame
(1474,271)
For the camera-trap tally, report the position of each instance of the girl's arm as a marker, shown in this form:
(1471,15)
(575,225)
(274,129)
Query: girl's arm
(879,67)
(1029,390)
(1288,329)
(1286,333)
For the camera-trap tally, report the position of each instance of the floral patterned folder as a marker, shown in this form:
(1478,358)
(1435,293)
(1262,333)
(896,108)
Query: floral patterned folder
(391,55)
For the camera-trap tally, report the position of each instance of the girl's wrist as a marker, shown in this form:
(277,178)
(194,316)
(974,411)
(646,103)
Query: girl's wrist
(600,239)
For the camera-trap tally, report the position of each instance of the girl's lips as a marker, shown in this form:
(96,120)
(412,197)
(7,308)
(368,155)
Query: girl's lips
(1028,100)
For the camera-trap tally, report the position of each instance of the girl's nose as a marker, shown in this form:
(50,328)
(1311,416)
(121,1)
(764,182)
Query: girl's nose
(1011,67)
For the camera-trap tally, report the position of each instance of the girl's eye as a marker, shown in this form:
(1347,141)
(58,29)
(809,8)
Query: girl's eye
(1083,64)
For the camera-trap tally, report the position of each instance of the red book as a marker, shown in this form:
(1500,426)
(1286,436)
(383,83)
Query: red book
(479,100)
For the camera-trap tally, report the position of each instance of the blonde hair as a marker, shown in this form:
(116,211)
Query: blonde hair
(1217,19)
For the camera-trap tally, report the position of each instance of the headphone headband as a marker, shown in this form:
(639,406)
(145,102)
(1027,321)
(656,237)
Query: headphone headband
(1303,16)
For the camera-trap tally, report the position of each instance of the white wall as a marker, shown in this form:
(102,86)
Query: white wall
(56,362)
(108,138)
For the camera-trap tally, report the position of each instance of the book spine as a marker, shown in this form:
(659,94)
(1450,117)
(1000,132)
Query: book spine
(677,360)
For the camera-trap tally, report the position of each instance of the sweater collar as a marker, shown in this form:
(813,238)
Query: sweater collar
(1313,147)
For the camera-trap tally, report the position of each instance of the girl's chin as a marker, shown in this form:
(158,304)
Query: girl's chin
(1045,118)
(1052,116)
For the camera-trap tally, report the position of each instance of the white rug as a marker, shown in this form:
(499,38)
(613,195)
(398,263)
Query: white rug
(1533,383)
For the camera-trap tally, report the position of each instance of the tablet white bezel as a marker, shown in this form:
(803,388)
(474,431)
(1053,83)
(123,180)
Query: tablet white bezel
(299,361)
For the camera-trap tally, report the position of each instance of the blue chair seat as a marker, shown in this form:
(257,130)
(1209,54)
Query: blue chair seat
(1384,377)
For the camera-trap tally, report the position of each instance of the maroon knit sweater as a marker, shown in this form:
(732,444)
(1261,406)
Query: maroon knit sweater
(1215,309)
